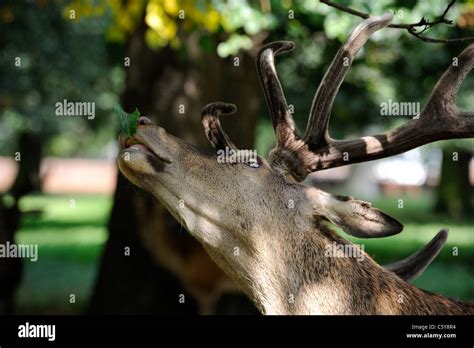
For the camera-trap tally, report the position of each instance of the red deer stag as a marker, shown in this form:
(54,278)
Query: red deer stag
(267,230)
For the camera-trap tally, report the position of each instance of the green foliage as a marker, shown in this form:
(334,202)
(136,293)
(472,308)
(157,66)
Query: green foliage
(45,59)
(234,44)
(128,122)
(65,58)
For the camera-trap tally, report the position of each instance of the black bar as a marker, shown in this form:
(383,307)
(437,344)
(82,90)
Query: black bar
(344,330)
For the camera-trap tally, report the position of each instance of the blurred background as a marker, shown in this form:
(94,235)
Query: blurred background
(106,247)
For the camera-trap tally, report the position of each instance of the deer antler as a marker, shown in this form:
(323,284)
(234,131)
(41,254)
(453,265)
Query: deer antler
(212,126)
(281,117)
(317,151)
(216,135)
(317,129)
(440,119)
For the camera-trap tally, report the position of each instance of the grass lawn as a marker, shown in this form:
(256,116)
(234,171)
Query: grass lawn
(71,235)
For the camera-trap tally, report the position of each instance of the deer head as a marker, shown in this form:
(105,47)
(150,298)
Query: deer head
(269,231)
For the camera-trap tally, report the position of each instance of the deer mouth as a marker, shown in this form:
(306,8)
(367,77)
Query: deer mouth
(134,144)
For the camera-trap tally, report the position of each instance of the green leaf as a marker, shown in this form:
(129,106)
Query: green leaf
(128,122)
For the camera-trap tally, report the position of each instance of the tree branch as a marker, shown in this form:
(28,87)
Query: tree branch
(412,27)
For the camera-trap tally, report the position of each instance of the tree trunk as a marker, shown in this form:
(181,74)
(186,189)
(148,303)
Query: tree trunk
(10,268)
(28,177)
(167,271)
(27,181)
(454,194)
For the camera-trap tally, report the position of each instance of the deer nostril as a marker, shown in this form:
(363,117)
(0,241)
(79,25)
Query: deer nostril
(143,120)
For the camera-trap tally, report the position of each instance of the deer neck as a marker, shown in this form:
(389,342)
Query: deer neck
(305,279)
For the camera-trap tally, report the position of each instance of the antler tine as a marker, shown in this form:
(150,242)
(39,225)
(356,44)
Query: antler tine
(282,120)
(443,97)
(439,120)
(413,266)
(212,126)
(317,129)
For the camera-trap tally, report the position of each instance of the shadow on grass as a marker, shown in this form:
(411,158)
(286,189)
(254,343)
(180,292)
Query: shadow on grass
(59,226)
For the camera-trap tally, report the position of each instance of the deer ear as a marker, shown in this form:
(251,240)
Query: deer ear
(357,218)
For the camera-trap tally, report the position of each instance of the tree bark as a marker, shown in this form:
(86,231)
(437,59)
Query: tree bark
(454,194)
(168,272)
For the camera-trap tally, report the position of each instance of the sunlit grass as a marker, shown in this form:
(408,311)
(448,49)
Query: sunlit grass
(70,237)
(82,209)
